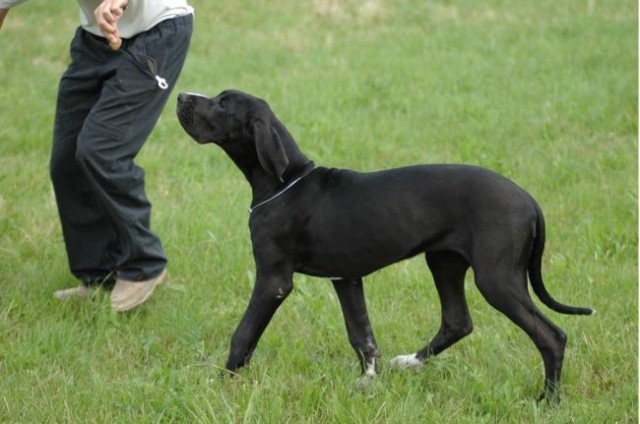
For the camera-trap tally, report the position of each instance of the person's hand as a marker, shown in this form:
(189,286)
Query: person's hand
(107,15)
(3,13)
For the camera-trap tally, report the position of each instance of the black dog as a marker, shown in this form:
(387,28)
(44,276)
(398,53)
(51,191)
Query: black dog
(344,225)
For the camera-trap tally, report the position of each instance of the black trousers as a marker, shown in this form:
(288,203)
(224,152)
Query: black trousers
(108,103)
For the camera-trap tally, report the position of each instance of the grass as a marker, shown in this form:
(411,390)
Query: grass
(544,92)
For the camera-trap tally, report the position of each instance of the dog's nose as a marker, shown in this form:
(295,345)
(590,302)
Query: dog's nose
(182,97)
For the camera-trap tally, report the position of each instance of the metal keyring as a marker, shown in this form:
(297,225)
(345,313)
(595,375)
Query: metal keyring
(162,83)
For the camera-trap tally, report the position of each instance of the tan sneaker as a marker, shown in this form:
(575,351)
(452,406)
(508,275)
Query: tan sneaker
(127,295)
(80,292)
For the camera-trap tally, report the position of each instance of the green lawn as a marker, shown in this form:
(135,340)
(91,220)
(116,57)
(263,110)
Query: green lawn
(544,92)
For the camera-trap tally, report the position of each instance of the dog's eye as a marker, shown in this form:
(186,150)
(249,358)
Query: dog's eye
(223,102)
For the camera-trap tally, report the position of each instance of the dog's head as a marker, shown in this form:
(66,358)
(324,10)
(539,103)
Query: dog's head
(243,125)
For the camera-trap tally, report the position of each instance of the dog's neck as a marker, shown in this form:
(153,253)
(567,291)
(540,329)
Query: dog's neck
(265,185)
(256,203)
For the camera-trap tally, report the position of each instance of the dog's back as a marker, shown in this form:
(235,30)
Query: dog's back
(351,223)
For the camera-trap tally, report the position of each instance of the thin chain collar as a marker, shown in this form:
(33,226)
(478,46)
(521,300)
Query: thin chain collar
(283,190)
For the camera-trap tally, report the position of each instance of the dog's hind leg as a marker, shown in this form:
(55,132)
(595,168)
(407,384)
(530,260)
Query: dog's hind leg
(351,295)
(508,293)
(448,269)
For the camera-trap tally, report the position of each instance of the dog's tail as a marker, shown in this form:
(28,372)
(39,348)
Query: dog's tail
(535,273)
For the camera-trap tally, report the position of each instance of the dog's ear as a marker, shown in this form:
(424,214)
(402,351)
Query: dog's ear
(271,152)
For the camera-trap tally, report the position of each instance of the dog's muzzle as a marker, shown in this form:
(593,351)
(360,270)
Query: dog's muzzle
(185,109)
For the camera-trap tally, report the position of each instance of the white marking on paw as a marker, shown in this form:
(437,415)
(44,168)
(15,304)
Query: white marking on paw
(368,376)
(406,361)
(371,369)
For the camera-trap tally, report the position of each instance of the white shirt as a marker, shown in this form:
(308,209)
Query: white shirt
(139,16)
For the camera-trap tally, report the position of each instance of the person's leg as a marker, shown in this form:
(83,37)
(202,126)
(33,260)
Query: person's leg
(88,235)
(116,129)
(132,98)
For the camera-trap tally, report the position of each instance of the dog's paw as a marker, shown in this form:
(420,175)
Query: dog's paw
(365,381)
(406,361)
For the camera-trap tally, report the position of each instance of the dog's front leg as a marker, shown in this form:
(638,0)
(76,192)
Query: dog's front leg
(351,296)
(268,294)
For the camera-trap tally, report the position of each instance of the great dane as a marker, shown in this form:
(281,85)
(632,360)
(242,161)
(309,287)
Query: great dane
(344,225)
